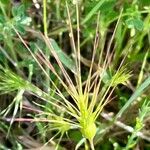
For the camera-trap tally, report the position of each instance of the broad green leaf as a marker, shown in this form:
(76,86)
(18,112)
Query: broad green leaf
(18,10)
(139,24)
(66,60)
(135,23)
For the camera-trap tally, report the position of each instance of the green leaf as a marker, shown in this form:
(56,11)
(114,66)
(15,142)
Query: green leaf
(18,10)
(26,21)
(2,19)
(6,2)
(145,2)
(135,23)
(107,6)
(93,11)
(75,135)
(139,24)
(106,77)
(65,59)
(20,28)
(135,95)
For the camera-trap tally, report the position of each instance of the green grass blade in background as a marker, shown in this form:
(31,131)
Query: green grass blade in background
(135,95)
(93,11)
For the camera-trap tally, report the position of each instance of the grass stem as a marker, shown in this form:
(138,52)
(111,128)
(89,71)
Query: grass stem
(46,35)
(45,17)
(92,145)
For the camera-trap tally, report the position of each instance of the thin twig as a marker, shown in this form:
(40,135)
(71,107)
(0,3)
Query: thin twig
(125,127)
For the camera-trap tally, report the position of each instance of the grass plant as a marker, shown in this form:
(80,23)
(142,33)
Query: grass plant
(74,91)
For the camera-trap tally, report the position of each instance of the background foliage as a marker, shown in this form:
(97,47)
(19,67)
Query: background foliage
(27,93)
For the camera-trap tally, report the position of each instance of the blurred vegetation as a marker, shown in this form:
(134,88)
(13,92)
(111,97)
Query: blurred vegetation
(59,90)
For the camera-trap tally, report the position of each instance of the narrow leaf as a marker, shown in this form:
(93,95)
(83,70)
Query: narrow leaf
(93,11)
(135,95)
(66,60)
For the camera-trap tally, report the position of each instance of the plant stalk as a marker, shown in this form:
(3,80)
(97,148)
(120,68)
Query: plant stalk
(45,17)
(46,35)
(92,145)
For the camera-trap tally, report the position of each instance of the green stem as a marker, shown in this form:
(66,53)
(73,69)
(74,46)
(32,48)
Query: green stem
(45,17)
(86,146)
(3,11)
(58,9)
(46,35)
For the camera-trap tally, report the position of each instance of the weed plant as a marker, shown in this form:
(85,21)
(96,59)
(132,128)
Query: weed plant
(73,92)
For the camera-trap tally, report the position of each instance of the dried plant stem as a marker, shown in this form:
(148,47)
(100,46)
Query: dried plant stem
(125,127)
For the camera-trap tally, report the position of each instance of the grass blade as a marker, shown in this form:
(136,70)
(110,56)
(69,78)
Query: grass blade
(93,11)
(135,95)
